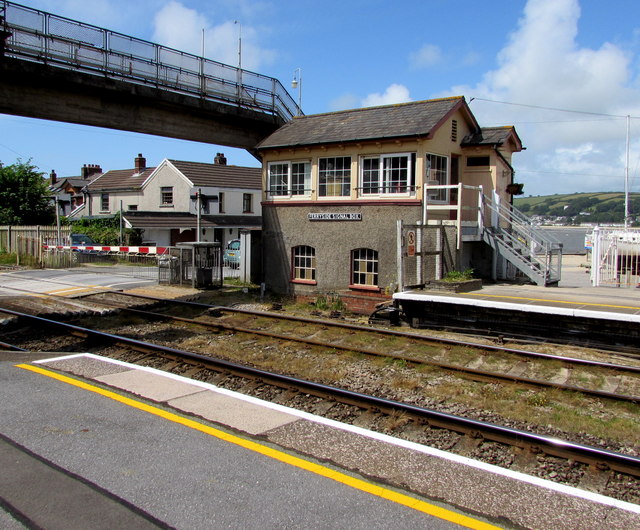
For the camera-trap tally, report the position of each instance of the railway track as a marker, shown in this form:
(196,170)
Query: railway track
(478,362)
(418,350)
(535,335)
(598,468)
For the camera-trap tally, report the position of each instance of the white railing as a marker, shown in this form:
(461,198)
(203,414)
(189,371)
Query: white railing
(464,200)
(534,252)
(506,229)
(615,258)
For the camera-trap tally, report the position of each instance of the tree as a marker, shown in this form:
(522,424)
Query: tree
(24,196)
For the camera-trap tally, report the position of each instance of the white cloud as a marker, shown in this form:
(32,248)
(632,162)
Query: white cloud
(393,94)
(427,56)
(344,102)
(182,28)
(542,65)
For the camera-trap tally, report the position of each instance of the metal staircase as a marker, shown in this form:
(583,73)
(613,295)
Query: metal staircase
(515,239)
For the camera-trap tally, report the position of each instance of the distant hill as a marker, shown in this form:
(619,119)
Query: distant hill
(576,208)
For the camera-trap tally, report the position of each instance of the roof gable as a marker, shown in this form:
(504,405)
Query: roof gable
(420,118)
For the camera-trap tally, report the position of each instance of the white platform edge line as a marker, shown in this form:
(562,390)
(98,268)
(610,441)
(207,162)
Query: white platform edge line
(527,308)
(535,481)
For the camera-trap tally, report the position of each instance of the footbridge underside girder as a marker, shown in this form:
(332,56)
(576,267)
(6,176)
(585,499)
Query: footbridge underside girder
(46,92)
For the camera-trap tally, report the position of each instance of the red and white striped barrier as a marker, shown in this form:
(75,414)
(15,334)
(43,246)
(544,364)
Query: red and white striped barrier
(128,250)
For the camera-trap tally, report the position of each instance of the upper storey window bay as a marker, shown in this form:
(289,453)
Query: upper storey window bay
(289,179)
(334,176)
(387,174)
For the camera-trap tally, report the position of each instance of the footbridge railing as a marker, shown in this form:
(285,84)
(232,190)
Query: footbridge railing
(33,35)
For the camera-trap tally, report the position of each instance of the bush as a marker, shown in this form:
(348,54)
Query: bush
(107,231)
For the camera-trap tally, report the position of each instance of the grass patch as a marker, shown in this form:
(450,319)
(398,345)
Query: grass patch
(458,276)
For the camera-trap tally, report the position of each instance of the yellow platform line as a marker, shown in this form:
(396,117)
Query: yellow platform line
(555,301)
(77,290)
(301,463)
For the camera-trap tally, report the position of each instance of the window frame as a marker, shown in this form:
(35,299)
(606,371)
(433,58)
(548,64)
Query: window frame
(438,196)
(342,177)
(104,201)
(221,202)
(379,182)
(247,203)
(304,264)
(291,186)
(166,196)
(360,256)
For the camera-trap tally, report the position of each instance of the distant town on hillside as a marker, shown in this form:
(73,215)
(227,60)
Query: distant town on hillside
(602,208)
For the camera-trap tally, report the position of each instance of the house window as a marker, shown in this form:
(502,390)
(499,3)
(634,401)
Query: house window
(477,161)
(132,207)
(304,263)
(247,203)
(289,178)
(387,174)
(221,202)
(334,176)
(104,202)
(166,195)
(437,173)
(454,130)
(364,267)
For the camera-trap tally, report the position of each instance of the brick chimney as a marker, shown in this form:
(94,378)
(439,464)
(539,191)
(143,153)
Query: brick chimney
(140,163)
(53,178)
(220,159)
(88,170)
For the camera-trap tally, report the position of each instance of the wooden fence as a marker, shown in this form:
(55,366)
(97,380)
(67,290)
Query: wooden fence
(21,239)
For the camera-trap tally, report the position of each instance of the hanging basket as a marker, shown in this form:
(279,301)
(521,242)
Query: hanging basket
(515,188)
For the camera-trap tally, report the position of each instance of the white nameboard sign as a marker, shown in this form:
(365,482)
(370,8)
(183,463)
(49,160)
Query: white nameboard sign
(335,216)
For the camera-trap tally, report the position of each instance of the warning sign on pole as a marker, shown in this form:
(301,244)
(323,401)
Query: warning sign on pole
(411,243)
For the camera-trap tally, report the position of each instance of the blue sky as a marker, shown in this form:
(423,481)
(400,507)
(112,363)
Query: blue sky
(517,59)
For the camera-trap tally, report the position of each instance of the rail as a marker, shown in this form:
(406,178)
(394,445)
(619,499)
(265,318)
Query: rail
(593,456)
(37,36)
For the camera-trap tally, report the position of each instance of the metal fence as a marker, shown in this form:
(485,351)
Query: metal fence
(615,259)
(425,253)
(50,39)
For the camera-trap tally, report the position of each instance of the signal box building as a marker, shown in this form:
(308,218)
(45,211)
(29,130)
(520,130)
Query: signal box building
(376,199)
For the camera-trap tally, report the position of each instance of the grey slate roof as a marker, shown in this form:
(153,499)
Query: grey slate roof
(220,175)
(120,179)
(188,220)
(418,118)
(490,136)
(199,173)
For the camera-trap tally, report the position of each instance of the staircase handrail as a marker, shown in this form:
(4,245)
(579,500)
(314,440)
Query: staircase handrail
(521,224)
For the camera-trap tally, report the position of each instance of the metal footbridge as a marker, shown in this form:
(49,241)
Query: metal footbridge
(53,67)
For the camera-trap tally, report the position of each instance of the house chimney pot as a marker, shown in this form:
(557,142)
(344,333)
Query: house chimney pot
(220,159)
(90,169)
(140,163)
(53,178)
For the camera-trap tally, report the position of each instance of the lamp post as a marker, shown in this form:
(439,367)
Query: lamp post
(297,83)
(239,60)
(239,44)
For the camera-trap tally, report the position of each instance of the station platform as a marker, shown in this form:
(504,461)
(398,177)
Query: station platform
(576,305)
(159,451)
